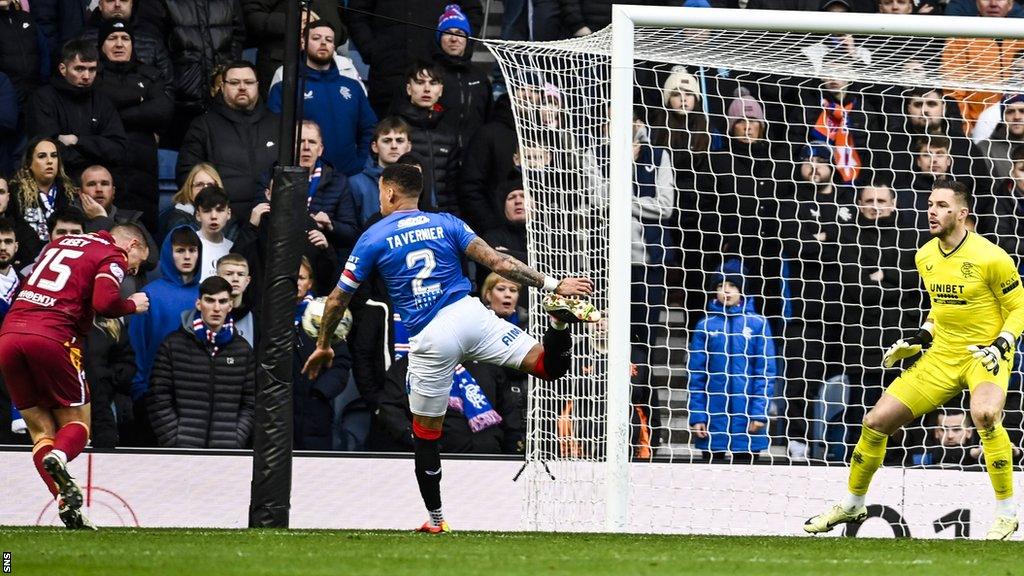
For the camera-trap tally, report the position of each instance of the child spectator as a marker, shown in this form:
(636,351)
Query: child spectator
(732,375)
(174,292)
(391,141)
(213,212)
(235,269)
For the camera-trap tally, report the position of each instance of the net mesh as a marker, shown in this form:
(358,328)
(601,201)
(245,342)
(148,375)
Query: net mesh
(796,167)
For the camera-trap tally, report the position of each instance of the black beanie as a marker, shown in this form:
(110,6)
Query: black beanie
(108,27)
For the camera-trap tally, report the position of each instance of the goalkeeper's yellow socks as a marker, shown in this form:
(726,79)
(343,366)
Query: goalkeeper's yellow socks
(867,457)
(998,460)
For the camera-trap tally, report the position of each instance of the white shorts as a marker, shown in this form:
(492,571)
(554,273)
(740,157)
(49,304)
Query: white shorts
(462,331)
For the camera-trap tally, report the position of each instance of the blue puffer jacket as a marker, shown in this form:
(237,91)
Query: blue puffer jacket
(168,298)
(365,192)
(339,106)
(732,374)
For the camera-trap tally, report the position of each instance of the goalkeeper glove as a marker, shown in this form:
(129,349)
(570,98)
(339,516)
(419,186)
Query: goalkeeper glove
(991,355)
(907,347)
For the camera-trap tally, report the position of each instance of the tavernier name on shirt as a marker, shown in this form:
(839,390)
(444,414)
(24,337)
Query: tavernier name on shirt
(412,236)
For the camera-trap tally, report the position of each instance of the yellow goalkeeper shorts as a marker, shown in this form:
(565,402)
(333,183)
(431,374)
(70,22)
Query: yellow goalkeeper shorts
(935,378)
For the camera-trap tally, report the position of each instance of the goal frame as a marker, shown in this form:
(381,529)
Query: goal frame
(625,18)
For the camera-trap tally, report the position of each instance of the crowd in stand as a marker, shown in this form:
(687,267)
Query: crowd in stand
(756,198)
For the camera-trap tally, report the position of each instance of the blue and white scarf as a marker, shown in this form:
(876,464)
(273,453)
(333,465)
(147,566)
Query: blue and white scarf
(301,308)
(214,340)
(465,397)
(314,181)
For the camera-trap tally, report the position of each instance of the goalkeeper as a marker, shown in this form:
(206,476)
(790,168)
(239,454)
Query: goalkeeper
(968,340)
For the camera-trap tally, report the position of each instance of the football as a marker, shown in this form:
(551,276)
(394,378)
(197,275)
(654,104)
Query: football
(311,320)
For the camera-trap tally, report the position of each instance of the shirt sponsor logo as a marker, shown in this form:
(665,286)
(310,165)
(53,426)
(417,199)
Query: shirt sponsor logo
(37,298)
(412,221)
(1007,288)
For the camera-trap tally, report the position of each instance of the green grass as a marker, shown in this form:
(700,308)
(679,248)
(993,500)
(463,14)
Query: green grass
(310,552)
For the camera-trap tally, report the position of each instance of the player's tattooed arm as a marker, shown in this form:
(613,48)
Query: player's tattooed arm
(505,265)
(334,311)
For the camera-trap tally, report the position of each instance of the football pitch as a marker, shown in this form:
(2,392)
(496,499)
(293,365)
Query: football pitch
(309,552)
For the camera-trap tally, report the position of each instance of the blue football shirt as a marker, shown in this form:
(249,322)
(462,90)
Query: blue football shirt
(419,255)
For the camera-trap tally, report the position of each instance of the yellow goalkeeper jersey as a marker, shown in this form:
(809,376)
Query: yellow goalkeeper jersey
(975,293)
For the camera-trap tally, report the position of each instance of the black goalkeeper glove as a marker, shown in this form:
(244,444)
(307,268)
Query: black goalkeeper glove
(907,347)
(991,355)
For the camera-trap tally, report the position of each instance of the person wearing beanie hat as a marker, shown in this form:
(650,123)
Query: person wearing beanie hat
(747,114)
(467,90)
(144,106)
(681,84)
(146,47)
(733,373)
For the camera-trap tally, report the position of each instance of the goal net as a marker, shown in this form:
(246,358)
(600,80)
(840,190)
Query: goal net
(778,186)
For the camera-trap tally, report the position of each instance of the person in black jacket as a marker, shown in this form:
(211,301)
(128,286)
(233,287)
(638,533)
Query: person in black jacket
(467,90)
(84,121)
(487,163)
(60,21)
(97,197)
(203,383)
(314,414)
(330,201)
(392,34)
(109,369)
(201,36)
(147,48)
(238,136)
(436,145)
(145,109)
(24,55)
(39,188)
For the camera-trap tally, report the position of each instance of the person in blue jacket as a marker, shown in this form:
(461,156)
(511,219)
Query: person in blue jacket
(174,292)
(732,370)
(335,102)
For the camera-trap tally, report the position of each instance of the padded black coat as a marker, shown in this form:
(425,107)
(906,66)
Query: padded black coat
(438,149)
(22,52)
(203,33)
(198,400)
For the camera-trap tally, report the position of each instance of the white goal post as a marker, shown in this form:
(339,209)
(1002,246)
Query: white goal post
(577,489)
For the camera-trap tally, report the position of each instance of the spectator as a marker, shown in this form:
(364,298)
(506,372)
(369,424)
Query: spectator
(146,47)
(335,102)
(70,110)
(314,414)
(1007,134)
(60,21)
(392,34)
(1007,207)
(63,222)
(434,144)
(584,17)
(202,36)
(28,243)
(235,269)
(109,364)
(330,203)
(467,94)
(933,161)
(390,142)
(145,108)
(955,443)
(504,298)
(204,378)
(238,135)
(652,209)
(983,8)
(510,238)
(182,212)
(264,22)
(213,214)
(488,162)
(979,60)
(173,293)
(41,186)
(10,281)
(880,295)
(24,54)
(10,135)
(535,20)
(732,376)
(97,199)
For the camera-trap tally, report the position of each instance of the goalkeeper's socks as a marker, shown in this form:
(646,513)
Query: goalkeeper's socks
(852,501)
(866,459)
(995,443)
(428,466)
(1006,507)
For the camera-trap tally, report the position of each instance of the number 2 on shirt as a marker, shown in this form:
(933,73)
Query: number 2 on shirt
(426,256)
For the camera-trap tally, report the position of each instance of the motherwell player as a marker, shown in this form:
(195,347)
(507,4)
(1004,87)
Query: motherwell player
(977,313)
(74,278)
